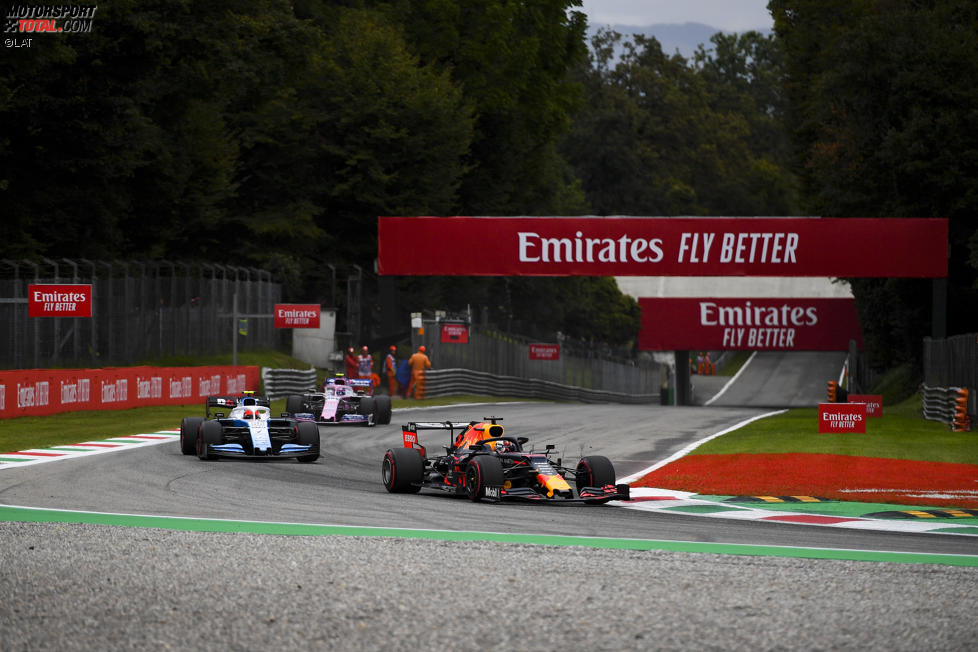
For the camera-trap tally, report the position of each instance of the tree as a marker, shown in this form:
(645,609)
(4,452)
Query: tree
(884,125)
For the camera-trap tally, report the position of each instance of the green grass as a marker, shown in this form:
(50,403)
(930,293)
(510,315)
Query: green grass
(901,434)
(737,361)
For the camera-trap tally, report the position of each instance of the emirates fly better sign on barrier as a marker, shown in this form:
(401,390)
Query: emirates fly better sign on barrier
(841,417)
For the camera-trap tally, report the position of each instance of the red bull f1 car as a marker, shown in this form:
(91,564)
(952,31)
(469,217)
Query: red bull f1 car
(483,463)
(248,430)
(343,402)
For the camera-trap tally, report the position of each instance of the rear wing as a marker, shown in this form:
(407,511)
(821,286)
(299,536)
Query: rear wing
(409,431)
(224,404)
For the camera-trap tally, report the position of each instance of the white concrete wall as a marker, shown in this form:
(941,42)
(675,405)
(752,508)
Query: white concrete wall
(732,286)
(313,345)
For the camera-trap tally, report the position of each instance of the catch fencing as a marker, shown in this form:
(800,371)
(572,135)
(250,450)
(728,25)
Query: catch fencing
(508,356)
(140,310)
(949,364)
(280,383)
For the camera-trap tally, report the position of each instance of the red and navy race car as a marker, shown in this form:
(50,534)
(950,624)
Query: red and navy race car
(481,462)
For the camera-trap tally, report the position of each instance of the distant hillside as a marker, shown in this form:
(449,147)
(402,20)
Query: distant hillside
(684,38)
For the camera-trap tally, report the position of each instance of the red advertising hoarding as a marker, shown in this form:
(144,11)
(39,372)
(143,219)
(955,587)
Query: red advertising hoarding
(297,315)
(874,403)
(34,392)
(455,333)
(544,352)
(663,246)
(841,417)
(62,300)
(766,324)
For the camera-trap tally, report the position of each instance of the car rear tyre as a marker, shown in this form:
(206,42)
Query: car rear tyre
(483,471)
(382,410)
(594,471)
(188,434)
(293,404)
(308,436)
(210,433)
(402,470)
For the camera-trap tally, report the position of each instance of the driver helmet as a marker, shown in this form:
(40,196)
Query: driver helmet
(504,446)
(250,414)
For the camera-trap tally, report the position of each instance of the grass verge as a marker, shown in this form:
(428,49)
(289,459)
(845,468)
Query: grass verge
(900,434)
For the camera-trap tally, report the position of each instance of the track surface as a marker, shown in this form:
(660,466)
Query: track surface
(86,587)
(772,379)
(344,487)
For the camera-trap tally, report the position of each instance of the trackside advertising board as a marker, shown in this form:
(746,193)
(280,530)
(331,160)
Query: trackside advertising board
(662,246)
(454,333)
(544,352)
(61,300)
(670,324)
(841,417)
(33,392)
(290,315)
(874,403)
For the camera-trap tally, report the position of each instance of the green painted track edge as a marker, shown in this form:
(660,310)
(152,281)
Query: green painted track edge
(34,515)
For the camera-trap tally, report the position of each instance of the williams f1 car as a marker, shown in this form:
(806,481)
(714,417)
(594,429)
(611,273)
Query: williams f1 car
(248,430)
(481,462)
(343,401)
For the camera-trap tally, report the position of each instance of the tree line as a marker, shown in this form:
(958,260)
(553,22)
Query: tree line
(273,134)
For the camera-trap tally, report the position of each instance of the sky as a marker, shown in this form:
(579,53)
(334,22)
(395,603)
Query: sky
(726,15)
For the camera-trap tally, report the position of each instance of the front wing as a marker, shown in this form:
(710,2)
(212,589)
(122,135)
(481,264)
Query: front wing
(589,495)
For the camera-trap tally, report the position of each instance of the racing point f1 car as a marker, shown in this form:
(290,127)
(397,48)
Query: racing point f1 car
(248,430)
(343,401)
(481,462)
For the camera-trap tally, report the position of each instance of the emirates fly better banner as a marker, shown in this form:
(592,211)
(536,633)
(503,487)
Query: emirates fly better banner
(748,324)
(661,246)
(289,315)
(71,300)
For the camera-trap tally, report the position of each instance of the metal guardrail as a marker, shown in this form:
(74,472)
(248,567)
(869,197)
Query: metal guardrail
(449,382)
(938,403)
(280,383)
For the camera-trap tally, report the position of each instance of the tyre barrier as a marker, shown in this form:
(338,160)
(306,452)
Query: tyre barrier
(948,405)
(449,382)
(280,383)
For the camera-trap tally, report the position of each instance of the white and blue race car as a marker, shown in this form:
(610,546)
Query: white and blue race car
(249,431)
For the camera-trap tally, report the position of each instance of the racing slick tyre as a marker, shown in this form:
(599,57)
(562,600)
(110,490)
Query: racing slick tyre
(484,471)
(382,410)
(211,432)
(594,471)
(402,470)
(293,404)
(188,434)
(368,407)
(308,436)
